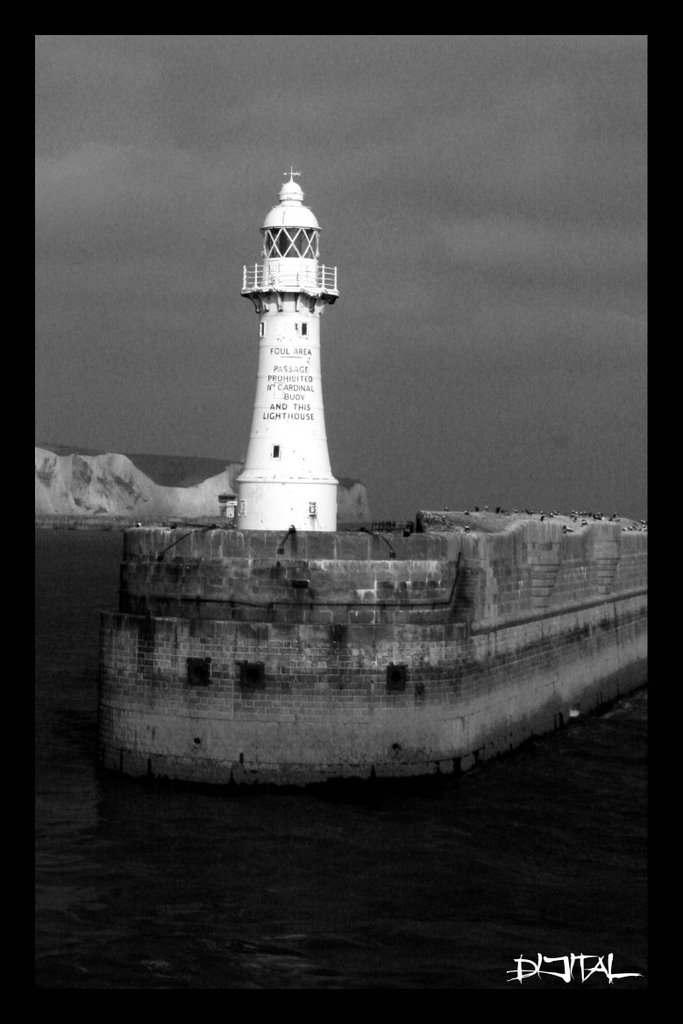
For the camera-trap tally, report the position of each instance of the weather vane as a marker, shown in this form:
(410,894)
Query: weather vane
(291,172)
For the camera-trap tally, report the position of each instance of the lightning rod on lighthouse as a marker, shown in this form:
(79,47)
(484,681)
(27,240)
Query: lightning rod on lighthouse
(287,480)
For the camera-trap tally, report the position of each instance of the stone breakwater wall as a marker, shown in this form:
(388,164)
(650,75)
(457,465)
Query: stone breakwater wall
(248,657)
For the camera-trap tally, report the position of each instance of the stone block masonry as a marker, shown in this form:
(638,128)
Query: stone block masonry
(231,661)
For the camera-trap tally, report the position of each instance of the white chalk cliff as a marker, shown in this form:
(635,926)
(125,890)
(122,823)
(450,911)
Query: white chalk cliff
(111,484)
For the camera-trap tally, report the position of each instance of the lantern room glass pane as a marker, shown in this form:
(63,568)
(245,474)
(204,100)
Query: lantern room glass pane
(270,245)
(306,245)
(280,242)
(291,250)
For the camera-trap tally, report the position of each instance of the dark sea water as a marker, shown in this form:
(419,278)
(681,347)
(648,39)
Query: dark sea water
(146,886)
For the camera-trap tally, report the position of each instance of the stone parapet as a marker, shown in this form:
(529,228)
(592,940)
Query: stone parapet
(476,578)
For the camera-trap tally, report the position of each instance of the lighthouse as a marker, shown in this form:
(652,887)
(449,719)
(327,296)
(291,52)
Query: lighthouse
(287,480)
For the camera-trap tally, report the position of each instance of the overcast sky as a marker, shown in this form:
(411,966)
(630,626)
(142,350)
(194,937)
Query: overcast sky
(483,198)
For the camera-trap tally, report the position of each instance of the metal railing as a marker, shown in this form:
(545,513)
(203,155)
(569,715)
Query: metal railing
(327,278)
(265,276)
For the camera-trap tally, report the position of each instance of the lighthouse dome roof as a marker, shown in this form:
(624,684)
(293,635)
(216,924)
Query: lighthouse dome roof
(290,211)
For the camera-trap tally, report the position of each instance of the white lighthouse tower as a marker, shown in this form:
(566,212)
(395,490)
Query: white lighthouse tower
(287,480)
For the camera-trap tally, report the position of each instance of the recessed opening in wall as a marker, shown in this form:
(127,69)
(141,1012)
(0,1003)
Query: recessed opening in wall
(396,678)
(252,675)
(198,671)
(304,329)
(262,330)
(276,451)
